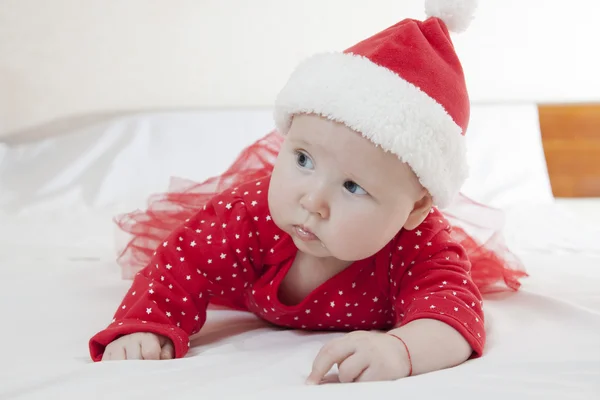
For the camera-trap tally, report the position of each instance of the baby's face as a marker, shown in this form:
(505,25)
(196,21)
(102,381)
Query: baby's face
(336,193)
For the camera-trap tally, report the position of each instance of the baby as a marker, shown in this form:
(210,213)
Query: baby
(344,233)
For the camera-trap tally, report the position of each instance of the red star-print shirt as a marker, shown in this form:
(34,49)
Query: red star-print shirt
(231,253)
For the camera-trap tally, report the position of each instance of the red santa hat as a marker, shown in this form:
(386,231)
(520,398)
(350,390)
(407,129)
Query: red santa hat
(403,89)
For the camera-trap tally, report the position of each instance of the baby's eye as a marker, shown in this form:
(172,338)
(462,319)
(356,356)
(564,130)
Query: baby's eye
(303,160)
(354,188)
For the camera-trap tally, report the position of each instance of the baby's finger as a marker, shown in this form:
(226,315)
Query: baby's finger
(352,367)
(332,353)
(368,375)
(167,352)
(150,347)
(133,350)
(113,353)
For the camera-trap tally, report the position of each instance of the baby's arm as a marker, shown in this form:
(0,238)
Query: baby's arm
(211,255)
(438,307)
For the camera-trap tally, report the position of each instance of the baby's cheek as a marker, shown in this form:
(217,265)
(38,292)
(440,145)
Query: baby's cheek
(359,240)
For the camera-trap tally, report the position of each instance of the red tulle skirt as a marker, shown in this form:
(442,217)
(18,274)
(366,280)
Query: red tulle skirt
(475,226)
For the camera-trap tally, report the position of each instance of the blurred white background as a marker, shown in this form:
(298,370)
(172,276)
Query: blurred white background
(67,58)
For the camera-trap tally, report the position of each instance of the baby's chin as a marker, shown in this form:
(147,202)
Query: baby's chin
(320,250)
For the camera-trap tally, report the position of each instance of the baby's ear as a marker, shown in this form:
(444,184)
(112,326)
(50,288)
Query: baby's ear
(420,211)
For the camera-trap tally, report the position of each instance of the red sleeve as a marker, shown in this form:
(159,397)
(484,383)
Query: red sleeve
(431,279)
(215,254)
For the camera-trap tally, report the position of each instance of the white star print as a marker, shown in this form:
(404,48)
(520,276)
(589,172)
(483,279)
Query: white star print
(307,311)
(464,281)
(375,299)
(400,247)
(254,202)
(185,299)
(133,294)
(223,255)
(432,307)
(193,244)
(428,243)
(417,247)
(332,304)
(170,286)
(418,233)
(416,288)
(165,244)
(209,261)
(349,314)
(268,217)
(218,278)
(148,311)
(168,266)
(353,285)
(188,277)
(341,292)
(347,304)
(151,291)
(455,308)
(168,314)
(182,259)
(124,307)
(178,249)
(276,237)
(228,206)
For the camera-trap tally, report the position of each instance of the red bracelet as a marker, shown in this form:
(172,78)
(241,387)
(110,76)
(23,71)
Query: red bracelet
(407,352)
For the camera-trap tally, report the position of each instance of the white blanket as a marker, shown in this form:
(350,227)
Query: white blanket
(60,283)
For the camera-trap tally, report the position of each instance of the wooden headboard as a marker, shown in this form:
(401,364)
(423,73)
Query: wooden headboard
(571,140)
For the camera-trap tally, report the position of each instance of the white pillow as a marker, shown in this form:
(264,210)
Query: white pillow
(119,162)
(506,156)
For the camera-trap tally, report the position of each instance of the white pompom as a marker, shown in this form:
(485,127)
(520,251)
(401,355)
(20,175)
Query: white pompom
(456,14)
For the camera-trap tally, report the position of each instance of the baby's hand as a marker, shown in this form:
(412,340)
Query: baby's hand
(139,346)
(362,356)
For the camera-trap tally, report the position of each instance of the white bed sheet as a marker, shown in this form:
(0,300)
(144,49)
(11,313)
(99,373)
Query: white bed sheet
(60,285)
(60,282)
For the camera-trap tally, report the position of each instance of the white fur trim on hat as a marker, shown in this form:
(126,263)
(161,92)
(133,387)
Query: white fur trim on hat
(385,109)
